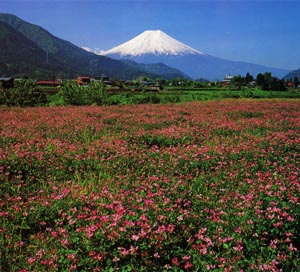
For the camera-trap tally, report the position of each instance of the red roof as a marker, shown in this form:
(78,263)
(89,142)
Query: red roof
(48,82)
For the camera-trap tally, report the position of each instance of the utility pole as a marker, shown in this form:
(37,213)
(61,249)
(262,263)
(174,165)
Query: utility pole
(91,67)
(47,55)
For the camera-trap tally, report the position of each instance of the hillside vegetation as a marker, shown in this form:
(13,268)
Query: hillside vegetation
(54,55)
(28,93)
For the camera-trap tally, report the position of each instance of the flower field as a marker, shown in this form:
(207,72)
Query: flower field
(200,186)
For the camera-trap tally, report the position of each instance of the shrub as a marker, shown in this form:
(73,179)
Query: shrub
(72,94)
(25,93)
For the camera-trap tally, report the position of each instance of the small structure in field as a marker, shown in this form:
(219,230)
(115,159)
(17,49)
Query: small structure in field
(83,80)
(252,83)
(6,82)
(48,83)
(226,81)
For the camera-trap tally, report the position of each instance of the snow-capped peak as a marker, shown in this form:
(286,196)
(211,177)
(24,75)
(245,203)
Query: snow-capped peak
(96,51)
(152,42)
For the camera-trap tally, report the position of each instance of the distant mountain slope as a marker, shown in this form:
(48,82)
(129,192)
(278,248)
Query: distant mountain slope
(293,74)
(210,67)
(21,56)
(154,46)
(158,68)
(75,59)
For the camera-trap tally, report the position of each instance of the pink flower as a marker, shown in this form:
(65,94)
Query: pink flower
(210,266)
(73,267)
(31,260)
(203,249)
(89,231)
(277,224)
(135,237)
(21,243)
(175,262)
(54,234)
(64,242)
(188,265)
(292,248)
(180,218)
(273,244)
(124,251)
(156,255)
(238,248)
(186,258)
(71,256)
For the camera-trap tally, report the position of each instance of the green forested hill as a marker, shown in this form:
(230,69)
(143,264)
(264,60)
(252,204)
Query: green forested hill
(62,56)
(19,56)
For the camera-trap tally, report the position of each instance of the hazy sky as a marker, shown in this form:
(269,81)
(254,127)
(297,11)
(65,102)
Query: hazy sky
(262,31)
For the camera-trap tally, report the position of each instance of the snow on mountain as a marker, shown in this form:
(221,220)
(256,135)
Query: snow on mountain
(96,51)
(154,46)
(152,42)
(87,48)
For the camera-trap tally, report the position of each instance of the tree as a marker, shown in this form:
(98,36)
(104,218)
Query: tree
(296,82)
(267,82)
(268,77)
(264,81)
(282,85)
(260,79)
(237,80)
(248,78)
(277,84)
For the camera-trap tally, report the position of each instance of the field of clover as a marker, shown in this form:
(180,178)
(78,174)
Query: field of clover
(200,186)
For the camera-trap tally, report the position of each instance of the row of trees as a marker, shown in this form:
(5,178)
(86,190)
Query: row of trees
(269,83)
(266,82)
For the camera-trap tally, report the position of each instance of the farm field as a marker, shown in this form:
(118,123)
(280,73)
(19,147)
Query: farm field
(26,93)
(197,186)
(181,95)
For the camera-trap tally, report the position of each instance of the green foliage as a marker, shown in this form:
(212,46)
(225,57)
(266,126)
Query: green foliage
(239,80)
(269,83)
(72,94)
(296,82)
(25,94)
(20,55)
(146,99)
(162,141)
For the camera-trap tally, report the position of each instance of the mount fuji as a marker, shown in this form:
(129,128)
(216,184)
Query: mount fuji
(152,42)
(153,46)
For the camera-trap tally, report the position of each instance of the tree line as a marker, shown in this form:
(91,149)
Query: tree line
(266,81)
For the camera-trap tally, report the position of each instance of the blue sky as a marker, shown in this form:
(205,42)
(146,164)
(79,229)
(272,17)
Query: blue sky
(262,31)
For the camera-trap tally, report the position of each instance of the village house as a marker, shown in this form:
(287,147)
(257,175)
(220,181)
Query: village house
(6,82)
(226,81)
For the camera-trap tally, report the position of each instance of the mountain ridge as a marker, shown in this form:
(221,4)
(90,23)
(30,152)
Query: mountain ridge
(292,74)
(70,59)
(194,63)
(149,48)
(17,45)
